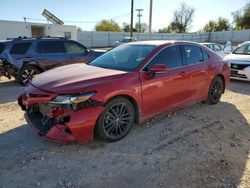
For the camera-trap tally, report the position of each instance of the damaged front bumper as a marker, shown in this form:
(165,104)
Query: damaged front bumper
(60,123)
(7,69)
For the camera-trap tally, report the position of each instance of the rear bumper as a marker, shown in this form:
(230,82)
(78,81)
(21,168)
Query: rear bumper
(79,128)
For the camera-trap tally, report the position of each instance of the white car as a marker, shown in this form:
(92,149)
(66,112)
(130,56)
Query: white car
(217,48)
(124,40)
(239,61)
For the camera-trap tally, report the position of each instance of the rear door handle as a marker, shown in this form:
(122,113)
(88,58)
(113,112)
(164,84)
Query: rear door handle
(182,74)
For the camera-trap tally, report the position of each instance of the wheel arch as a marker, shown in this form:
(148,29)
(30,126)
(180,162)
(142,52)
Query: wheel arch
(134,103)
(32,63)
(223,79)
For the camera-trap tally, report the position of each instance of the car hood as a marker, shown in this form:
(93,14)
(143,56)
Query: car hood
(74,78)
(237,57)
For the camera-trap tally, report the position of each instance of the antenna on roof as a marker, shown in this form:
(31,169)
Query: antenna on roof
(51,17)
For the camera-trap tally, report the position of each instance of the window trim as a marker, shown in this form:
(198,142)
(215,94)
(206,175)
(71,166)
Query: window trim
(44,41)
(185,60)
(143,68)
(78,44)
(12,46)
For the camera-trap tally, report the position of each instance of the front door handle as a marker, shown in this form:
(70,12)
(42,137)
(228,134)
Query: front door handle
(209,67)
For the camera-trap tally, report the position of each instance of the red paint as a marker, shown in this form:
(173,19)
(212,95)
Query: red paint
(170,89)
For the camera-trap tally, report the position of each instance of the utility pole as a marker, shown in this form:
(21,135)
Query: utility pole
(150,18)
(132,15)
(139,17)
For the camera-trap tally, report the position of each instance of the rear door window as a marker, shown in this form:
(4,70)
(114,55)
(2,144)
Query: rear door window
(206,55)
(193,54)
(217,47)
(48,47)
(20,48)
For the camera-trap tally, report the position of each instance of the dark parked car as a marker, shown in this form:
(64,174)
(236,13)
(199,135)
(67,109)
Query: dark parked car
(126,85)
(23,57)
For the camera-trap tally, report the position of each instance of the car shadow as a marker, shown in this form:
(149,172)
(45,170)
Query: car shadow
(238,86)
(9,91)
(188,149)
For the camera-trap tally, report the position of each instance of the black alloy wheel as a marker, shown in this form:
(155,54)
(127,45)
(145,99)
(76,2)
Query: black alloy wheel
(26,74)
(215,91)
(116,120)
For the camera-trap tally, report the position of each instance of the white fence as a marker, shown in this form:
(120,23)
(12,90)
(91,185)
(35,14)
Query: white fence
(105,39)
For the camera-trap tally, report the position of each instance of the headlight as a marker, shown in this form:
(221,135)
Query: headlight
(72,99)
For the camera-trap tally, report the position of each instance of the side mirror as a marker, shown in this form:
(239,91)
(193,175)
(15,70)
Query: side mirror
(158,68)
(88,51)
(227,47)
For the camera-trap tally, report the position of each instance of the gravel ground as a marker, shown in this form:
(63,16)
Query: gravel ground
(198,146)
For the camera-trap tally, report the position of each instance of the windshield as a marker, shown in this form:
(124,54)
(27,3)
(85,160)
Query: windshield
(125,57)
(244,50)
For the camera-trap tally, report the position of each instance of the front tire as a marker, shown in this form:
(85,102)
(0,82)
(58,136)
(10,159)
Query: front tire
(26,74)
(116,120)
(215,91)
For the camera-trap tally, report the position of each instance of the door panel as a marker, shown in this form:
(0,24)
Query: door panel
(164,91)
(52,54)
(49,61)
(199,70)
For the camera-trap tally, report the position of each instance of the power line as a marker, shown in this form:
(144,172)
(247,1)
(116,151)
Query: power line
(78,21)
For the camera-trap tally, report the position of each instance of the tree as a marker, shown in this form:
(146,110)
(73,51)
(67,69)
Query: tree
(242,17)
(106,25)
(126,27)
(79,29)
(222,24)
(166,30)
(182,18)
(210,26)
(142,28)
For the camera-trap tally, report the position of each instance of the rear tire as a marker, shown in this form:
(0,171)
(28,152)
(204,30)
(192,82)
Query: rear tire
(26,74)
(215,91)
(116,120)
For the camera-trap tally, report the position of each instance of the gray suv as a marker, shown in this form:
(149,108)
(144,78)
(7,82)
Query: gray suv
(23,58)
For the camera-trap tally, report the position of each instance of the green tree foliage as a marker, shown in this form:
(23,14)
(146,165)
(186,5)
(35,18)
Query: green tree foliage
(221,24)
(79,29)
(242,17)
(106,25)
(125,27)
(166,30)
(182,18)
(142,28)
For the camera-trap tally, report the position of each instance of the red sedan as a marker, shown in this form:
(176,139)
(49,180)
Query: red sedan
(126,85)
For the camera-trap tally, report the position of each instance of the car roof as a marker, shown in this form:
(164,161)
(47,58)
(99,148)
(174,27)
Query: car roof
(161,42)
(247,42)
(204,43)
(5,41)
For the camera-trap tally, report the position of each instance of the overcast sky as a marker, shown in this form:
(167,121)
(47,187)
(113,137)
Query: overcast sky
(89,12)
